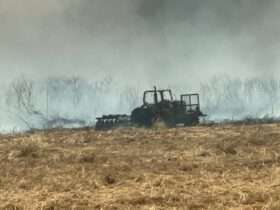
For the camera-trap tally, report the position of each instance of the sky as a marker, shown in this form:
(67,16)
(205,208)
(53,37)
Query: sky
(139,42)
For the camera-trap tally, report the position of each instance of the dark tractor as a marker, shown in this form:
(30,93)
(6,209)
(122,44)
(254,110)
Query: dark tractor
(158,106)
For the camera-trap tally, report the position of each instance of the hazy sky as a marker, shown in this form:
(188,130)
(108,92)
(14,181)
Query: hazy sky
(158,41)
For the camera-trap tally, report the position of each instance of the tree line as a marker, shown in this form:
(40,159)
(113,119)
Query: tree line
(73,101)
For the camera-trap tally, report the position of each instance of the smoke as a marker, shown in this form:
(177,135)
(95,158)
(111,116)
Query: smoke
(142,43)
(154,40)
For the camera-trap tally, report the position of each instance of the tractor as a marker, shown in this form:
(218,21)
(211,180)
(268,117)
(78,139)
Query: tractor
(158,105)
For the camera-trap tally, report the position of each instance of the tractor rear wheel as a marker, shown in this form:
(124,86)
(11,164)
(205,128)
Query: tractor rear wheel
(142,117)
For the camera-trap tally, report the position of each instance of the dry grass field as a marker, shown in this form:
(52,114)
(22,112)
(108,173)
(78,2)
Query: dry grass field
(217,167)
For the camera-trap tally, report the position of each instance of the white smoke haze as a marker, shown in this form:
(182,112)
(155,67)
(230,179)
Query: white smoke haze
(138,43)
(74,101)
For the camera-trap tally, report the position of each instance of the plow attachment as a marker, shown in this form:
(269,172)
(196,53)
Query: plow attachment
(107,122)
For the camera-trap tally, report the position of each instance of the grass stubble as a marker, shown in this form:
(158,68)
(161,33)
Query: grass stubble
(216,167)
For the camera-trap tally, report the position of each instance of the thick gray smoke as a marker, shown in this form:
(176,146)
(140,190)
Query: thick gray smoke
(150,39)
(178,43)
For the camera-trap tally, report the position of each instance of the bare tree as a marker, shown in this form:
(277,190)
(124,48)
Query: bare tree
(271,88)
(20,100)
(130,98)
(21,91)
(76,84)
(18,96)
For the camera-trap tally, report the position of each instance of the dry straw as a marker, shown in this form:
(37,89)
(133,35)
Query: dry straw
(217,167)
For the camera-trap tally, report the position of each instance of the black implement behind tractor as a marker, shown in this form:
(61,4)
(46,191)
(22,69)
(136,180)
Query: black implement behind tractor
(158,106)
